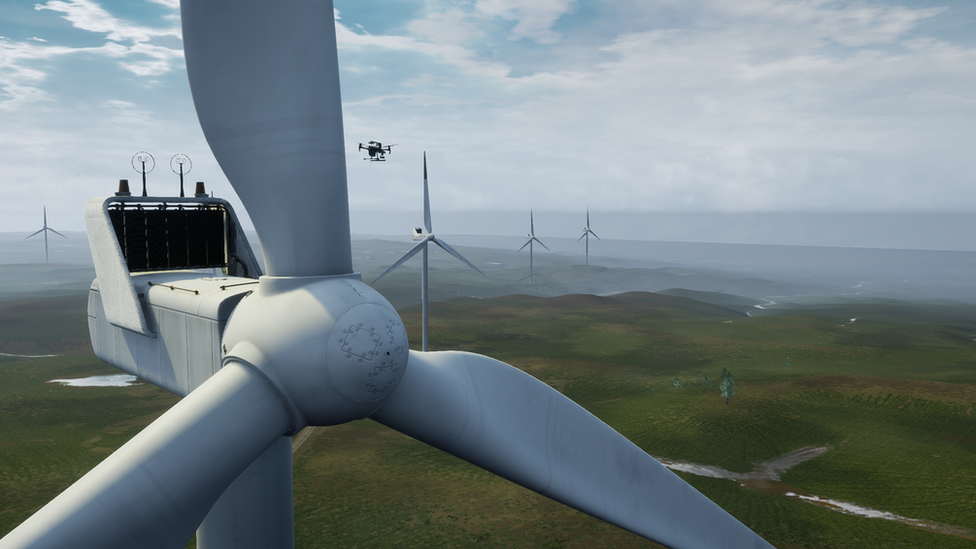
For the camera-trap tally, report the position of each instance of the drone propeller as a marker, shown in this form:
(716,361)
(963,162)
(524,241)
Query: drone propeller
(313,345)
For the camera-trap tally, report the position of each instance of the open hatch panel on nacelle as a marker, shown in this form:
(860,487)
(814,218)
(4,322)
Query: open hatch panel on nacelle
(158,289)
(176,234)
(130,234)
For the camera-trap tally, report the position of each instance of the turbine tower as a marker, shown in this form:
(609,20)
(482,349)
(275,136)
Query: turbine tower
(45,229)
(586,233)
(532,238)
(308,343)
(425,238)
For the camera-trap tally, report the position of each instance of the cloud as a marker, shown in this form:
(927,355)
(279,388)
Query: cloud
(441,46)
(753,105)
(21,81)
(131,43)
(671,105)
(534,20)
(89,16)
(852,24)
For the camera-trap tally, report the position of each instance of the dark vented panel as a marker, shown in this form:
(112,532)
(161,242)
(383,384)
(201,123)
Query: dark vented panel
(115,214)
(135,248)
(157,245)
(166,237)
(205,236)
(177,236)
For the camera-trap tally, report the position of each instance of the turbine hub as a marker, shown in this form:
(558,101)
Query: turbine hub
(335,347)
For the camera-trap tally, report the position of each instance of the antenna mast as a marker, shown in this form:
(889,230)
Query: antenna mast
(139,161)
(180,160)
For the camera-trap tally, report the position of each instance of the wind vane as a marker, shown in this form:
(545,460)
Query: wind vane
(180,160)
(139,161)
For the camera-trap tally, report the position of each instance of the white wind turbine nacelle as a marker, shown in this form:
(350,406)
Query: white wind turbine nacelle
(312,345)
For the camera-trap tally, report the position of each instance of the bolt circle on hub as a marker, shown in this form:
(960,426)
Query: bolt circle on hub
(367,353)
(335,348)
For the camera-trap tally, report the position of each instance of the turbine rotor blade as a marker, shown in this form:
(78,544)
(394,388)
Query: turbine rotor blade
(157,488)
(453,252)
(265,84)
(426,199)
(526,244)
(541,244)
(594,234)
(582,236)
(37,233)
(507,422)
(57,233)
(413,251)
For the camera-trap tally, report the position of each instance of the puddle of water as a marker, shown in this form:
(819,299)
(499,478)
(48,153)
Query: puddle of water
(119,380)
(765,478)
(852,509)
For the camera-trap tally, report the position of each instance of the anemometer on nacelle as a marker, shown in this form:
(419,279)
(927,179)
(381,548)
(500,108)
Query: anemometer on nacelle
(308,344)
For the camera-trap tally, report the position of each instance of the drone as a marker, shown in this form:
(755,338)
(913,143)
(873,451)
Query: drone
(377,152)
(256,360)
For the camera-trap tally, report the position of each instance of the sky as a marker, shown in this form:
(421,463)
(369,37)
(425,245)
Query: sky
(657,106)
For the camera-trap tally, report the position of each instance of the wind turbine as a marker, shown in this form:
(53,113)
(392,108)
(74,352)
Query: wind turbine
(425,238)
(532,238)
(45,229)
(586,233)
(309,343)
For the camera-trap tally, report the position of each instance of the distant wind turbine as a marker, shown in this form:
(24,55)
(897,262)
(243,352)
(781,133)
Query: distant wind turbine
(586,234)
(424,238)
(309,344)
(45,230)
(531,237)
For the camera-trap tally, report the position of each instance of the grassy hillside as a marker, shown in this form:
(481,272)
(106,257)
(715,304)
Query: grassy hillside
(49,325)
(39,280)
(891,394)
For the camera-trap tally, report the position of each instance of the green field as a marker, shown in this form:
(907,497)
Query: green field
(891,394)
(51,435)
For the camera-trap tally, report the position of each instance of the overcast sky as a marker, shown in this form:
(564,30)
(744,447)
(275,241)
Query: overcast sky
(556,105)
